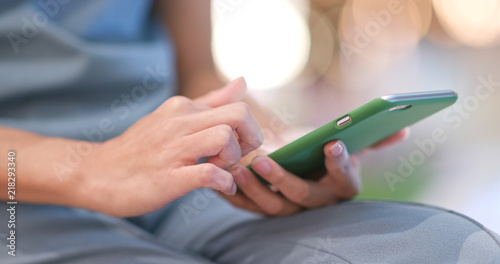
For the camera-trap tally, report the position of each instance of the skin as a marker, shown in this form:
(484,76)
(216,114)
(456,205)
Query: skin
(341,181)
(154,162)
(151,164)
(189,22)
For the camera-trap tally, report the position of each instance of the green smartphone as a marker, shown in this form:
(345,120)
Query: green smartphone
(360,128)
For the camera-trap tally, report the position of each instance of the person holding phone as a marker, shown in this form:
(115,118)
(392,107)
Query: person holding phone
(106,72)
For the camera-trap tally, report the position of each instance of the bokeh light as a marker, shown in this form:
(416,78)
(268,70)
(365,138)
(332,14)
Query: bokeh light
(268,42)
(355,50)
(378,33)
(322,42)
(472,22)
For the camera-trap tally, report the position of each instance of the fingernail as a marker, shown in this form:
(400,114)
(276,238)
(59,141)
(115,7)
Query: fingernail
(261,165)
(233,189)
(238,177)
(337,149)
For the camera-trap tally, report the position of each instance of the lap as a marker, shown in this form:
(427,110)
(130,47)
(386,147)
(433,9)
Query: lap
(361,232)
(352,232)
(201,227)
(53,234)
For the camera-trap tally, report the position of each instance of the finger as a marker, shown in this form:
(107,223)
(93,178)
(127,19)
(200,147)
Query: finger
(204,175)
(303,192)
(241,201)
(231,93)
(401,135)
(219,143)
(271,203)
(247,159)
(180,105)
(341,176)
(355,163)
(237,116)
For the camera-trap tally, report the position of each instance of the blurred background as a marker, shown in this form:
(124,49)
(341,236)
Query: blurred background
(312,61)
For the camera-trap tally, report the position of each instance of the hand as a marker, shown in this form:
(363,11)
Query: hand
(155,161)
(341,182)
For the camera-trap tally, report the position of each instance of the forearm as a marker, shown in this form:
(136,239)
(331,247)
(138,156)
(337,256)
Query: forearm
(44,170)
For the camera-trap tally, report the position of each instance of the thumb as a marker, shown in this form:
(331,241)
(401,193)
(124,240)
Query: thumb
(231,93)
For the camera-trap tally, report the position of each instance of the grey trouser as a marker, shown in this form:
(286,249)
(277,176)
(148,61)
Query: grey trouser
(203,228)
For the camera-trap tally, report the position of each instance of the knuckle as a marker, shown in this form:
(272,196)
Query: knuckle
(225,130)
(259,140)
(344,177)
(226,144)
(278,177)
(346,166)
(340,170)
(225,133)
(178,102)
(207,173)
(241,109)
(336,168)
(210,177)
(244,112)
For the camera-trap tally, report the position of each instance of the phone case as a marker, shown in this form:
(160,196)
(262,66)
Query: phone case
(368,124)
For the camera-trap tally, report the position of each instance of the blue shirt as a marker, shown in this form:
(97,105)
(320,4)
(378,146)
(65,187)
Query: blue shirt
(81,69)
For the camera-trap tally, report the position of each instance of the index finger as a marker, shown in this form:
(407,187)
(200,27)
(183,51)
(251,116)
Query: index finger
(231,93)
(236,115)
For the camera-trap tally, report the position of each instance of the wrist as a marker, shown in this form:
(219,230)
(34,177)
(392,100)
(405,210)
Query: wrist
(82,185)
(49,170)
(71,169)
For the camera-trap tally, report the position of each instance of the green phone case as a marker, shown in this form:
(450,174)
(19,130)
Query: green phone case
(369,124)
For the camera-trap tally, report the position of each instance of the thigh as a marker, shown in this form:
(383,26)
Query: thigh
(358,232)
(194,221)
(53,234)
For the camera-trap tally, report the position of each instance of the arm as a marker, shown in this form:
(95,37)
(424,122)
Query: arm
(151,164)
(36,180)
(189,24)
